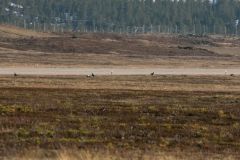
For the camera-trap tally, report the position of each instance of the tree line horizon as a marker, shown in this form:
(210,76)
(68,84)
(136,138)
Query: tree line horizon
(124,16)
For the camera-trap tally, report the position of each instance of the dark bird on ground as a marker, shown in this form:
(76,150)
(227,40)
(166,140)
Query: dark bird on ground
(152,74)
(93,75)
(15,74)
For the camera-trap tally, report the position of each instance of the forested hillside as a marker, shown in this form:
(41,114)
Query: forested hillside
(175,16)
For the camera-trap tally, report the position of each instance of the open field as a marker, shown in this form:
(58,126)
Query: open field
(50,109)
(113,50)
(138,117)
(167,83)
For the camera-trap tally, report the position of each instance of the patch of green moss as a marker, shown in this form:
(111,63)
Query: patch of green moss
(4,109)
(22,133)
(44,129)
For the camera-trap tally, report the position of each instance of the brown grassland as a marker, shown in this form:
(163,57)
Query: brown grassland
(120,117)
(31,49)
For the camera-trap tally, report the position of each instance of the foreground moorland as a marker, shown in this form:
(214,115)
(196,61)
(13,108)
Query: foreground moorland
(114,117)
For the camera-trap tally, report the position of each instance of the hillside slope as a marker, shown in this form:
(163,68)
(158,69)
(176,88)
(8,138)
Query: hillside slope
(12,31)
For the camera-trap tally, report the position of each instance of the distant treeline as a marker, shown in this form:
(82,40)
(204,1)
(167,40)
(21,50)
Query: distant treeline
(132,16)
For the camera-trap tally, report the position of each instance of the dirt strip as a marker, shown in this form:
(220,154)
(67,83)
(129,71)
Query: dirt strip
(118,71)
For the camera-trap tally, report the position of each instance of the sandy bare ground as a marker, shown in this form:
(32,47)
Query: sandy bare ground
(117,71)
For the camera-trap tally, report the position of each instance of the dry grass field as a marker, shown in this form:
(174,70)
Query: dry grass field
(120,117)
(112,50)
(9,31)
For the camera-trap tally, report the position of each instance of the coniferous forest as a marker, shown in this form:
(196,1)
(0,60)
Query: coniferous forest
(129,16)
